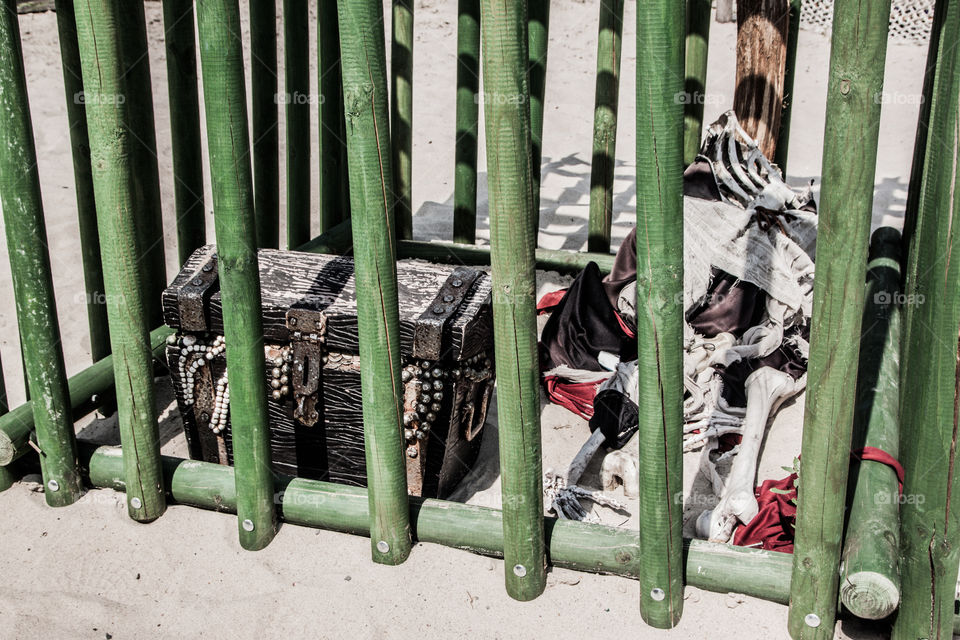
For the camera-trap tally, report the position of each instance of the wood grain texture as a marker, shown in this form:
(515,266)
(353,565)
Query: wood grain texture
(372,204)
(870,584)
(858,50)
(513,239)
(118,157)
(26,234)
(660,32)
(930,368)
(237,231)
(762,27)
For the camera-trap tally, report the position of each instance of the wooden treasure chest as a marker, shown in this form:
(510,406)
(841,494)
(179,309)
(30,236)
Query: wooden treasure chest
(312,366)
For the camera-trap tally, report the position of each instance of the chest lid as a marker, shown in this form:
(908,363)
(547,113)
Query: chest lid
(444,310)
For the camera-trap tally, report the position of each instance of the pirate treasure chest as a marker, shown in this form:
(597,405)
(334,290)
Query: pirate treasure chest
(312,367)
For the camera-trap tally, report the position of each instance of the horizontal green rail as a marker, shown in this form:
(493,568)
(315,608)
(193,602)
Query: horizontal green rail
(85,387)
(338,241)
(574,545)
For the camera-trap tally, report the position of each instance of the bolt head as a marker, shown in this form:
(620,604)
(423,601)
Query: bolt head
(657,594)
(53,485)
(136,503)
(519,570)
(248,525)
(812,620)
(383,547)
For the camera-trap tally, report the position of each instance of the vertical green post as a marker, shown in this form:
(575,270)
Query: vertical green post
(30,270)
(790,74)
(86,207)
(928,95)
(858,50)
(538,33)
(512,245)
(695,85)
(266,133)
(660,73)
(334,196)
(930,371)
(132,31)
(296,50)
(604,161)
(401,112)
(114,151)
(374,244)
(182,90)
(870,585)
(224,92)
(468,122)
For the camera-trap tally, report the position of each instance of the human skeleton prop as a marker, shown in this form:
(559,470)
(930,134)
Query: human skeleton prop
(758,233)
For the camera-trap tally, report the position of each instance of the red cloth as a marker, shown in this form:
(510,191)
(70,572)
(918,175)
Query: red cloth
(772,528)
(575,396)
(549,301)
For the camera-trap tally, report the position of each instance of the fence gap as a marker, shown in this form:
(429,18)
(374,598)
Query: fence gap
(858,50)
(372,197)
(224,92)
(183,93)
(660,78)
(603,165)
(468,122)
(30,271)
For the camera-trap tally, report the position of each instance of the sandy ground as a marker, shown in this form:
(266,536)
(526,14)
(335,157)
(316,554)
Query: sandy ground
(89,572)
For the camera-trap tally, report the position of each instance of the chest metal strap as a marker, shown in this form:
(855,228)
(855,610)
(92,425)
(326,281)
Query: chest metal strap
(428,333)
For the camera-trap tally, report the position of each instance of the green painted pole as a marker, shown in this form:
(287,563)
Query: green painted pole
(7,478)
(695,85)
(132,33)
(512,243)
(870,584)
(604,162)
(401,113)
(334,195)
(927,103)
(374,243)
(858,50)
(86,206)
(182,90)
(265,131)
(790,73)
(660,77)
(930,371)
(296,50)
(86,391)
(116,158)
(26,233)
(573,545)
(468,122)
(224,92)
(538,33)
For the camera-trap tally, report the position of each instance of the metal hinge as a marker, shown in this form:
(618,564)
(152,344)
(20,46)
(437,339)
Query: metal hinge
(309,330)
(428,334)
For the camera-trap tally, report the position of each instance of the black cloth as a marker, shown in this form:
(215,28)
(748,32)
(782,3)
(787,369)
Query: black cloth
(582,325)
(731,305)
